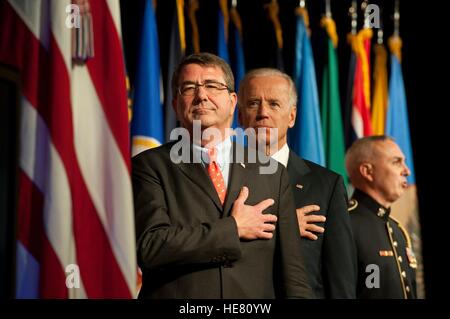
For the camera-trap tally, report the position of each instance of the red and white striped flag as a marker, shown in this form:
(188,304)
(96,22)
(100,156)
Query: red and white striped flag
(75,199)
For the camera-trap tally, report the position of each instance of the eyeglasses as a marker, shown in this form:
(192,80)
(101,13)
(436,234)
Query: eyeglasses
(212,87)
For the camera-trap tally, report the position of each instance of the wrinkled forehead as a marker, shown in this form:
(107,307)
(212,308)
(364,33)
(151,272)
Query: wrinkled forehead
(197,72)
(270,86)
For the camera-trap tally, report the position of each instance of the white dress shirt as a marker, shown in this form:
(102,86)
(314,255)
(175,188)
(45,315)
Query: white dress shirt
(282,155)
(223,157)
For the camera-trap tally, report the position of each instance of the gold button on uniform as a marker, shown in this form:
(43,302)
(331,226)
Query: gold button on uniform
(407,289)
(403,274)
(395,244)
(400,259)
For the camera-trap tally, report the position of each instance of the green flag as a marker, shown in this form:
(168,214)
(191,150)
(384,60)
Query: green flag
(333,133)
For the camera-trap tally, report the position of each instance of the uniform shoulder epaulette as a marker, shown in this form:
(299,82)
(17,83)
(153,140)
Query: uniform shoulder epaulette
(404,231)
(353,203)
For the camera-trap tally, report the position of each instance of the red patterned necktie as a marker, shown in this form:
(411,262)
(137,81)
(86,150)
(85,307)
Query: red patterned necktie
(216,175)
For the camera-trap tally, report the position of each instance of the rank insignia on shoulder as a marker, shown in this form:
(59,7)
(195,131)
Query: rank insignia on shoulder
(411,258)
(352,204)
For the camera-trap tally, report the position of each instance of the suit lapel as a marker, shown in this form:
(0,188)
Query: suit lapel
(239,170)
(237,175)
(298,175)
(197,174)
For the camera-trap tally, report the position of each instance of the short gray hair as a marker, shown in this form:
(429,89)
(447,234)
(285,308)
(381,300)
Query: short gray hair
(362,150)
(267,72)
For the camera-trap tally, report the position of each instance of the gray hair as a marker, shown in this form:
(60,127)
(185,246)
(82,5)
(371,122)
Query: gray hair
(362,150)
(267,72)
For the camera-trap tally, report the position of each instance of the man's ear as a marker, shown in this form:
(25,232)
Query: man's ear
(233,101)
(292,116)
(366,171)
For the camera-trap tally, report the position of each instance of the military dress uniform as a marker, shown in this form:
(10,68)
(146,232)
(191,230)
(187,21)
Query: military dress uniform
(381,241)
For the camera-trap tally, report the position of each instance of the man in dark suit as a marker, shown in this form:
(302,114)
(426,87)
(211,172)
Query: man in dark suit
(213,228)
(386,262)
(267,99)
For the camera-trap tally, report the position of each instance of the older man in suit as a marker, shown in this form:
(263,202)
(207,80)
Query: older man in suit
(209,227)
(267,99)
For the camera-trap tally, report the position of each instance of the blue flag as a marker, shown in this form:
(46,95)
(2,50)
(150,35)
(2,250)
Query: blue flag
(305,138)
(222,47)
(397,125)
(147,122)
(176,54)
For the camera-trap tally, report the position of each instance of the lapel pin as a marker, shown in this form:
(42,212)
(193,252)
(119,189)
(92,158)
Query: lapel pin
(299,186)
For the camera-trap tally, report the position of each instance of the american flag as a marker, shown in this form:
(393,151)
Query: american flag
(75,197)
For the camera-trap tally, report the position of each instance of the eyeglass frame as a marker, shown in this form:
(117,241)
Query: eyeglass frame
(198,85)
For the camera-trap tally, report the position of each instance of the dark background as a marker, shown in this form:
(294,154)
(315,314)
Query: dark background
(424,71)
(9,129)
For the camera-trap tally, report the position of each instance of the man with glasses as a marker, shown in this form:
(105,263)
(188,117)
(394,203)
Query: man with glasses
(211,227)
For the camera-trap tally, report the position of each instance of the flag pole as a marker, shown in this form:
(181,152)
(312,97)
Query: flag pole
(397,18)
(353,12)
(327,9)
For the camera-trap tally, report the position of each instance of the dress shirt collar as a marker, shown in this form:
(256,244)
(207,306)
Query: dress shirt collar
(282,155)
(223,153)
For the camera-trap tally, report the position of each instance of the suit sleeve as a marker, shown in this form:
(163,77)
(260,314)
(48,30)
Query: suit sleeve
(160,243)
(294,276)
(339,249)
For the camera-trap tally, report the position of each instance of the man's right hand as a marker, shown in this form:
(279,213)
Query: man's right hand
(250,220)
(305,221)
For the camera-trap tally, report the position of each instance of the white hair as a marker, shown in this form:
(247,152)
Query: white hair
(267,72)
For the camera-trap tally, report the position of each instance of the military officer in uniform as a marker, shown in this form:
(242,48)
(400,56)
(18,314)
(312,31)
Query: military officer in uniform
(386,262)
